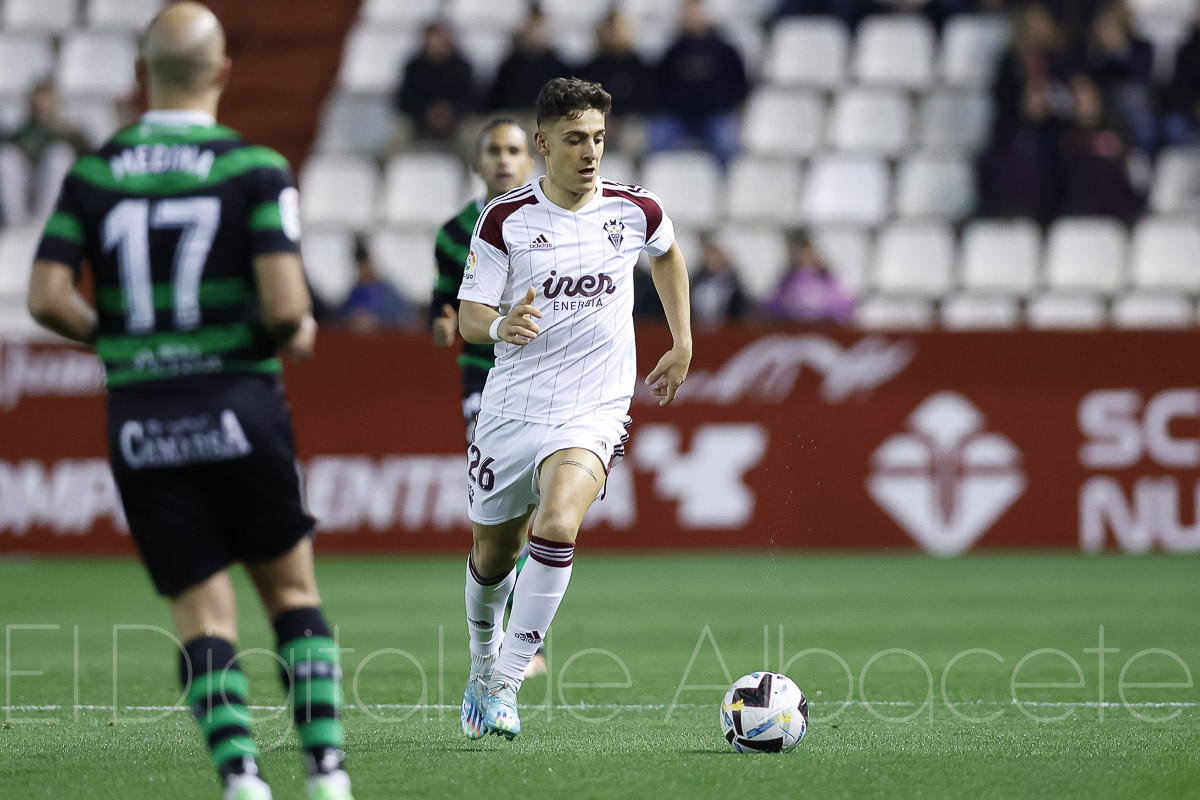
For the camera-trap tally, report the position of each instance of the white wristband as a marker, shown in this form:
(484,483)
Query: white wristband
(494,331)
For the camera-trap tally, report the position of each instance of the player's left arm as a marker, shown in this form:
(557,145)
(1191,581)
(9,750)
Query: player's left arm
(671,280)
(57,305)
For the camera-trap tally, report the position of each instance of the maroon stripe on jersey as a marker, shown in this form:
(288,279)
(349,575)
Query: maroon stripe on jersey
(490,227)
(645,202)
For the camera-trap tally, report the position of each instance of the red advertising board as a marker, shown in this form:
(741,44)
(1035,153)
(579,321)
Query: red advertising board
(779,437)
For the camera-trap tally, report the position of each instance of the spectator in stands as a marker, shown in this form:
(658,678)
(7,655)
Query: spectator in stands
(1095,172)
(527,68)
(35,159)
(373,302)
(701,85)
(620,70)
(809,292)
(1121,64)
(1037,56)
(717,294)
(1181,100)
(1019,173)
(436,89)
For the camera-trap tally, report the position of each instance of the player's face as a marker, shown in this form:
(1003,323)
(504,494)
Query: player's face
(505,162)
(573,148)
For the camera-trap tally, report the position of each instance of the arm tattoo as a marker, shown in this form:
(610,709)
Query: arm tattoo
(582,467)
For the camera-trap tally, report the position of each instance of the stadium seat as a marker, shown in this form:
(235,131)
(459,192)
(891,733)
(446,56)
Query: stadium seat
(579,14)
(1176,186)
(13,111)
(653,38)
(619,167)
(808,52)
(1000,257)
(894,313)
(764,189)
(955,119)
(780,122)
(97,117)
(422,189)
(39,15)
(740,10)
(1085,255)
(895,51)
(329,263)
(99,64)
(1147,310)
(915,258)
(760,255)
(1073,312)
(360,124)
(17,248)
(24,60)
(405,258)
(689,184)
(747,37)
(1166,254)
(846,250)
(122,15)
(373,58)
(407,13)
(980,312)
(870,121)
(852,189)
(652,11)
(972,45)
(575,44)
(935,184)
(500,14)
(339,189)
(485,47)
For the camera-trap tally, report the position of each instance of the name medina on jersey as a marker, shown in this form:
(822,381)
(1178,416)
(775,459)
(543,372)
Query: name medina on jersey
(591,287)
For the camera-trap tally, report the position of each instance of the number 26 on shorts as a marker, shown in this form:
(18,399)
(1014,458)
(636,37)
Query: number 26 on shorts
(486,479)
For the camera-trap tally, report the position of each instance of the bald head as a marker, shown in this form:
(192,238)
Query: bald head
(184,50)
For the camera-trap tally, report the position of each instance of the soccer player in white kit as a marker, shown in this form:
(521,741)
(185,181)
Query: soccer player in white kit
(549,279)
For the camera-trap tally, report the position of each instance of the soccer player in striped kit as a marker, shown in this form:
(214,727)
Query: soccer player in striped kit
(549,281)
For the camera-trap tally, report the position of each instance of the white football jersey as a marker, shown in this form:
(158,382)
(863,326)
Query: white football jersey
(581,263)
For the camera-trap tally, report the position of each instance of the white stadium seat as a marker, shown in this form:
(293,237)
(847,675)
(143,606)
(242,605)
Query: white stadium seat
(1176,186)
(980,312)
(24,60)
(894,313)
(580,14)
(502,14)
(747,38)
(760,255)
(13,111)
(374,57)
(96,117)
(1145,310)
(39,15)
(847,251)
(18,245)
(359,124)
(399,13)
(808,52)
(870,121)
(935,184)
(1166,254)
(1067,312)
(764,189)
(122,15)
(1001,257)
(422,189)
(405,258)
(97,64)
(740,10)
(895,51)
(972,45)
(955,119)
(783,123)
(329,263)
(1086,255)
(690,185)
(339,189)
(850,189)
(575,44)
(664,12)
(485,47)
(915,258)
(619,167)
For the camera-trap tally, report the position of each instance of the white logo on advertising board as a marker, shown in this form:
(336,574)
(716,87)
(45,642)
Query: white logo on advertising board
(947,481)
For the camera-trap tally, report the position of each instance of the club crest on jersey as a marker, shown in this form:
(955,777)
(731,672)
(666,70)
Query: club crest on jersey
(541,243)
(614,230)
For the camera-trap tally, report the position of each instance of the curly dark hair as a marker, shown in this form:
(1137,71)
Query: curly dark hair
(570,97)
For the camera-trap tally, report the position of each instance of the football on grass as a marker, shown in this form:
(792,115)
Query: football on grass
(764,712)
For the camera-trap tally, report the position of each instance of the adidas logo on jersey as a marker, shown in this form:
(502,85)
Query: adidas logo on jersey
(541,243)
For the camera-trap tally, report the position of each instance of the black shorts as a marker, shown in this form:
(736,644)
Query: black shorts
(208,475)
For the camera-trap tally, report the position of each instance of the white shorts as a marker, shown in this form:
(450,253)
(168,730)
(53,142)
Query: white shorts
(503,461)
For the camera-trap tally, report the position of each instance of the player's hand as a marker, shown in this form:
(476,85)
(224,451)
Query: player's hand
(304,340)
(445,327)
(518,326)
(670,374)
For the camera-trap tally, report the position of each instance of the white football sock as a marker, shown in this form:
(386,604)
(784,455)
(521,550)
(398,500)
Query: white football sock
(486,598)
(540,589)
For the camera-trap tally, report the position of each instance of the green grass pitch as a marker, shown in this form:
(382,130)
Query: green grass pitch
(638,653)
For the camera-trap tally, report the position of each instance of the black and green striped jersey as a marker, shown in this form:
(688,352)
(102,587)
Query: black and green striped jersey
(170,214)
(453,245)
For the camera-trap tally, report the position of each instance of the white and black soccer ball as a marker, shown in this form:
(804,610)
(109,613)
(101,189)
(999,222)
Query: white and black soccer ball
(764,712)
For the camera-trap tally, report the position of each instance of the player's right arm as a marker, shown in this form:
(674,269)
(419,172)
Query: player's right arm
(53,300)
(516,327)
(285,302)
(481,294)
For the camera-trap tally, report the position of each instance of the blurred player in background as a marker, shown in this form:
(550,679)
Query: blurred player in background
(555,407)
(192,235)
